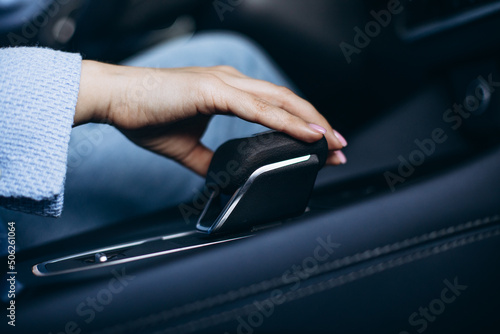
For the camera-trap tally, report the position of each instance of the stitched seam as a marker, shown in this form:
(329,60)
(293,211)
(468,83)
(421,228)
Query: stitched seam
(276,282)
(313,289)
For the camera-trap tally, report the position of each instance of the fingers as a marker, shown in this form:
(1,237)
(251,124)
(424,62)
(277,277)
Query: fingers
(198,160)
(280,109)
(336,158)
(256,110)
(284,98)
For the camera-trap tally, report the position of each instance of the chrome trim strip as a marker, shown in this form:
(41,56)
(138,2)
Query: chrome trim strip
(40,268)
(200,227)
(126,245)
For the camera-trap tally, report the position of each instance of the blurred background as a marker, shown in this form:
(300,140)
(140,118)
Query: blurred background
(387,74)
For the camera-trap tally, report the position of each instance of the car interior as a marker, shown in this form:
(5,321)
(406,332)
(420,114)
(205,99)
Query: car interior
(404,238)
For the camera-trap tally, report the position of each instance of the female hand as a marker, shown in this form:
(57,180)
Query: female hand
(167,110)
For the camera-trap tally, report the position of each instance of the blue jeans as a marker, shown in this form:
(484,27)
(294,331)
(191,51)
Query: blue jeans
(110,179)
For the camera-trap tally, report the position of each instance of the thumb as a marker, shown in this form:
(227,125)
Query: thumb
(198,160)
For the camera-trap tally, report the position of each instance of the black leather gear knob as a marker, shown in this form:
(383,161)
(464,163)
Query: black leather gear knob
(239,158)
(260,179)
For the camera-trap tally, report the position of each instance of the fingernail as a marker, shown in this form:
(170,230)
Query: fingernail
(340,138)
(318,128)
(341,157)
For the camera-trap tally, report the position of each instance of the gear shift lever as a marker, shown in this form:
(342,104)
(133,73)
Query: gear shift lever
(253,181)
(260,179)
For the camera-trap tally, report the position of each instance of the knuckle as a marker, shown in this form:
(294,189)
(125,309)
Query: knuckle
(226,68)
(260,110)
(285,91)
(210,91)
(264,113)
(261,106)
(208,81)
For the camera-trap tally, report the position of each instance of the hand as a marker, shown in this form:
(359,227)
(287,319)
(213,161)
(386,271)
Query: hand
(167,110)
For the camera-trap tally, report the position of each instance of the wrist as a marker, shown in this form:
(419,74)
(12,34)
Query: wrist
(94,95)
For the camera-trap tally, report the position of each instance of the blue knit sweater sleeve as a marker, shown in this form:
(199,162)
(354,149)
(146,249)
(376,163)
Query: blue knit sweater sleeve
(38,94)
